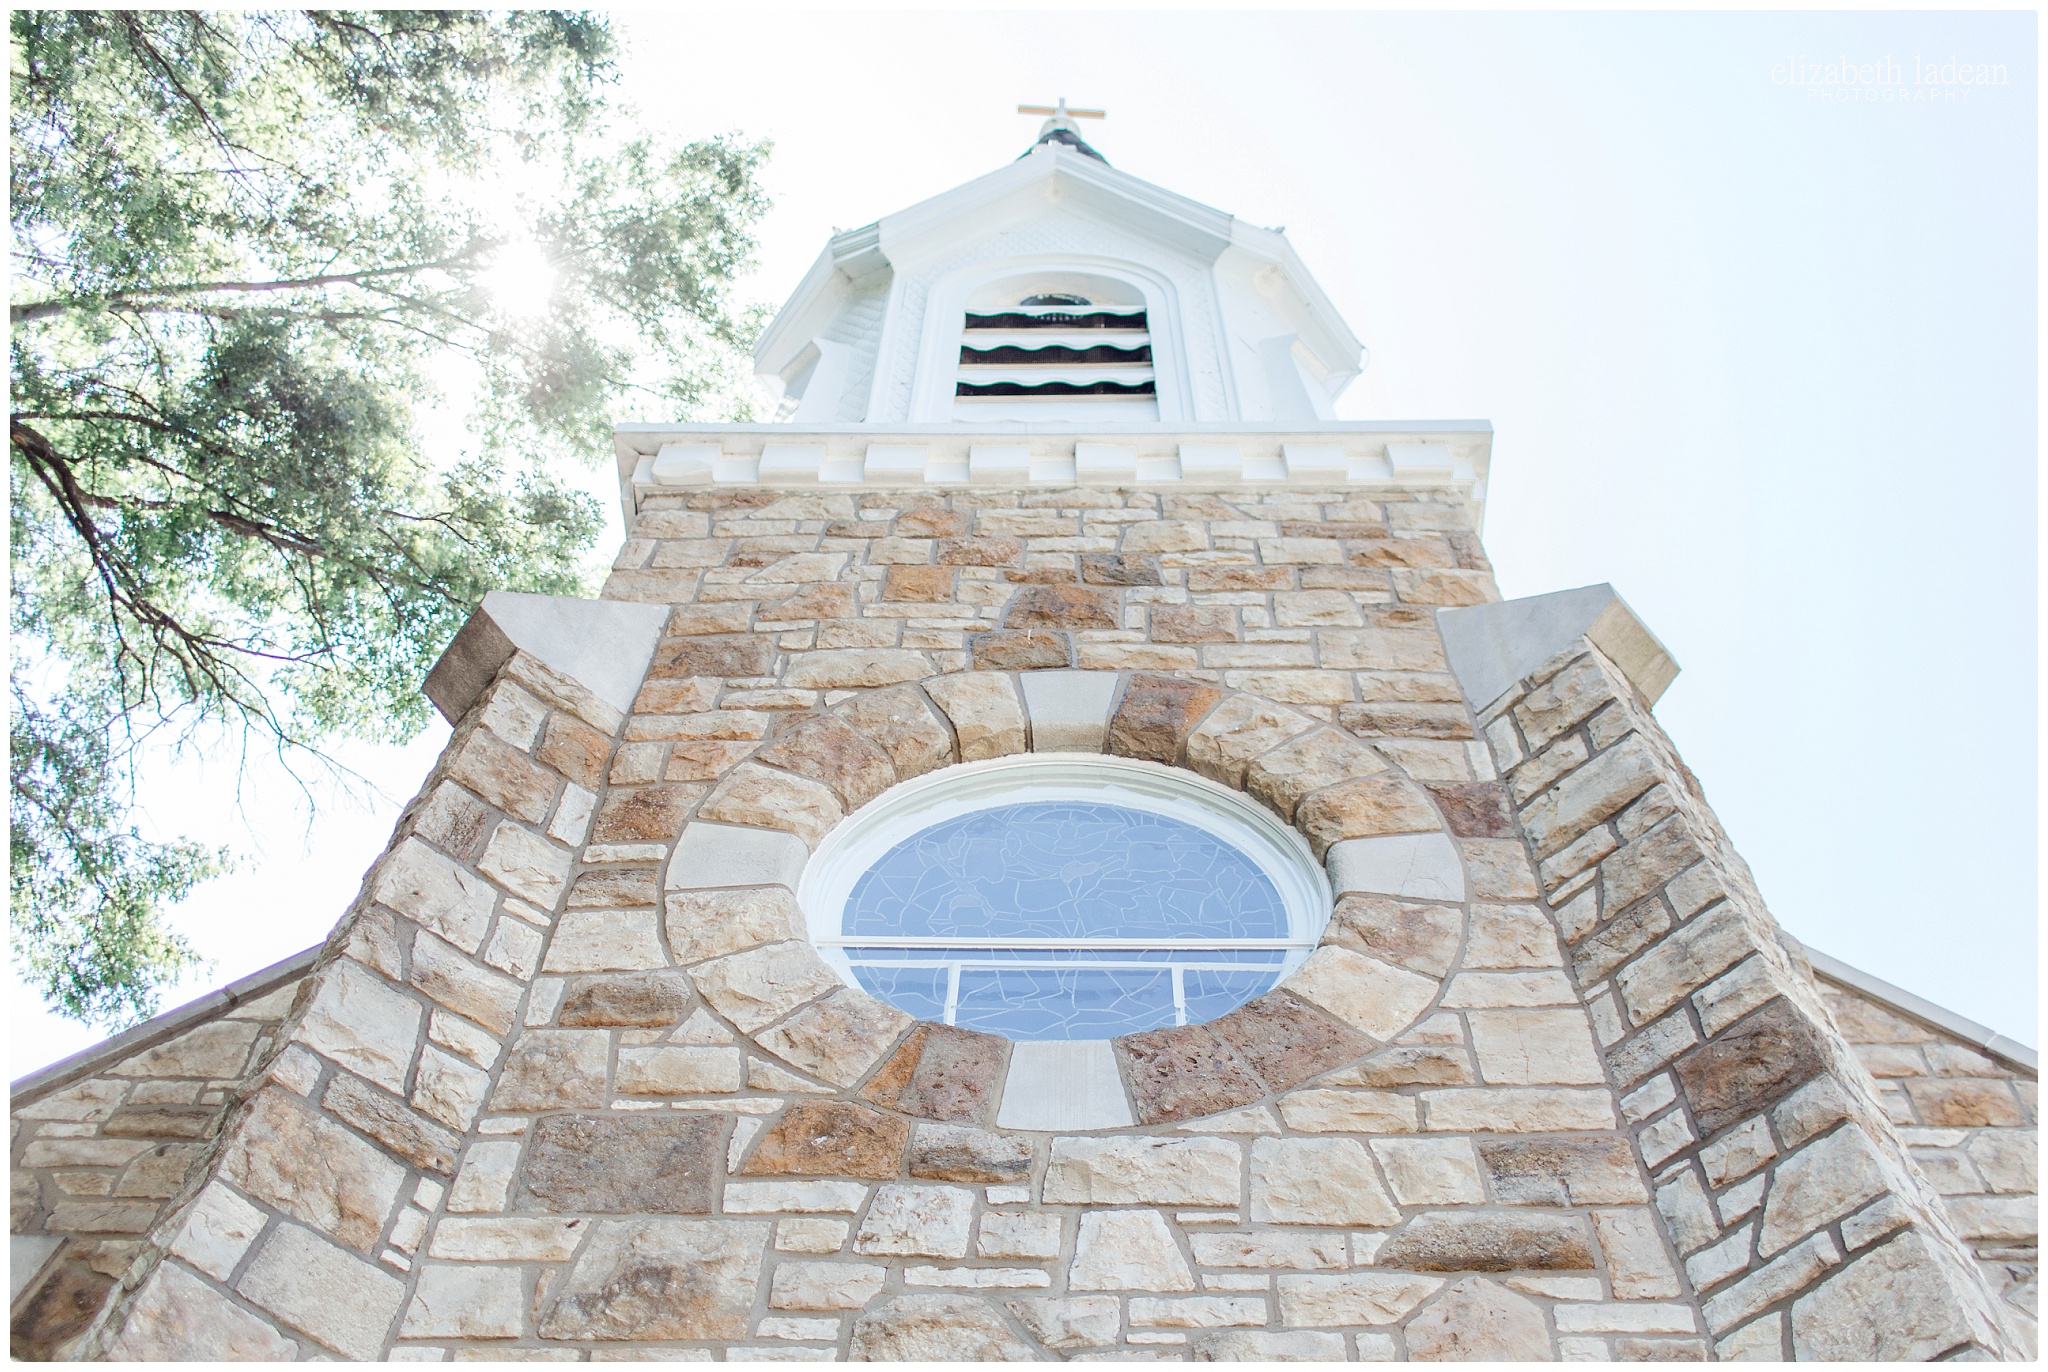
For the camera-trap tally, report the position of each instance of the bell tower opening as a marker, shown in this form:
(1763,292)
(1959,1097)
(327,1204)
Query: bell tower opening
(1056,345)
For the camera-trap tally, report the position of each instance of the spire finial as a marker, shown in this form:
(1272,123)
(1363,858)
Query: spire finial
(1059,126)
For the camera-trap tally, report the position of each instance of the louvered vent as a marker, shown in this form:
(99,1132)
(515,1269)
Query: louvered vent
(1056,346)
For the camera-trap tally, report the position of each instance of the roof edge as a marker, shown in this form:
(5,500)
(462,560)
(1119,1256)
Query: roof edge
(1925,1011)
(157,1029)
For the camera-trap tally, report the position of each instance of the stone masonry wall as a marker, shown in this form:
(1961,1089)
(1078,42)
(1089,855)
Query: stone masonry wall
(1968,1120)
(92,1164)
(1806,1227)
(569,1082)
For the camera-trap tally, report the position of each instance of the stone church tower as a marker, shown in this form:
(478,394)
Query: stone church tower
(1053,849)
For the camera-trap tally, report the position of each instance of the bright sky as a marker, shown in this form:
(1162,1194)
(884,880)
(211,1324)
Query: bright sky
(1760,353)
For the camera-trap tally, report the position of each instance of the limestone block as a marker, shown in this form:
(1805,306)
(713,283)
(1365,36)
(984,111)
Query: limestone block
(456,982)
(755,988)
(647,814)
(512,1238)
(1127,1250)
(829,751)
(179,1318)
(793,1197)
(1284,1041)
(1694,954)
(1421,938)
(1358,1112)
(1462,1241)
(554,1069)
(1183,1072)
(660,1279)
(917,1221)
(1518,1110)
(1069,1322)
(902,725)
(1305,764)
(951,1152)
(362,1022)
(841,669)
(1144,1171)
(605,941)
(1021,650)
(831,1138)
(624,1164)
(1156,715)
(1019,1236)
(1430,1171)
(1197,1312)
(935,1329)
(526,865)
(707,924)
(436,894)
(1069,711)
(768,799)
(1248,1345)
(1317,1181)
(1497,869)
(1493,990)
(343,1301)
(1353,1298)
(649,1000)
(1421,1065)
(1755,1062)
(987,716)
(1366,807)
(216,1231)
(1535,1047)
(1281,1248)
(942,1072)
(216,1050)
(1479,1321)
(1363,992)
(1383,650)
(838,1038)
(464,1302)
(1591,795)
(484,1178)
(1569,1172)
(680,1071)
(418,1140)
(825,1285)
(2007,1159)
(1774,1281)
(1821,1182)
(1240,729)
(1965,1104)
(1761,1341)
(1425,866)
(284,1153)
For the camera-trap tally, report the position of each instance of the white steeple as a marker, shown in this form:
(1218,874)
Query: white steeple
(1058,289)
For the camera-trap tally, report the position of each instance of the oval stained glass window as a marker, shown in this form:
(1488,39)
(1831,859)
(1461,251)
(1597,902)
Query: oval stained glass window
(1071,904)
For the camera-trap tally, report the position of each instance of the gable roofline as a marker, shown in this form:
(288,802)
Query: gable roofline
(1904,1002)
(168,1025)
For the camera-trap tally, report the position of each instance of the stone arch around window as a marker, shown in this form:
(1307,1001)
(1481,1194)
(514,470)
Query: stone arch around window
(1403,877)
(949,298)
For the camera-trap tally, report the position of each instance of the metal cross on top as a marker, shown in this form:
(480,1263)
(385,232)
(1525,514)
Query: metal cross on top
(1061,111)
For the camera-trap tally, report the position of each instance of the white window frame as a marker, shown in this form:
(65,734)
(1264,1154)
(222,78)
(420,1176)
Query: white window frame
(857,842)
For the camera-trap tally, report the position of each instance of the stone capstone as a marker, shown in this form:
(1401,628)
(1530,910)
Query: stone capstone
(624,1164)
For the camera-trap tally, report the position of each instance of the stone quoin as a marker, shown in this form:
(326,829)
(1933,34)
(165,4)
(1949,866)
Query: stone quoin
(1523,1070)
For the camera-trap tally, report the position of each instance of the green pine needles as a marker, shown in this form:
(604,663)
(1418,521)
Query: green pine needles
(253,252)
